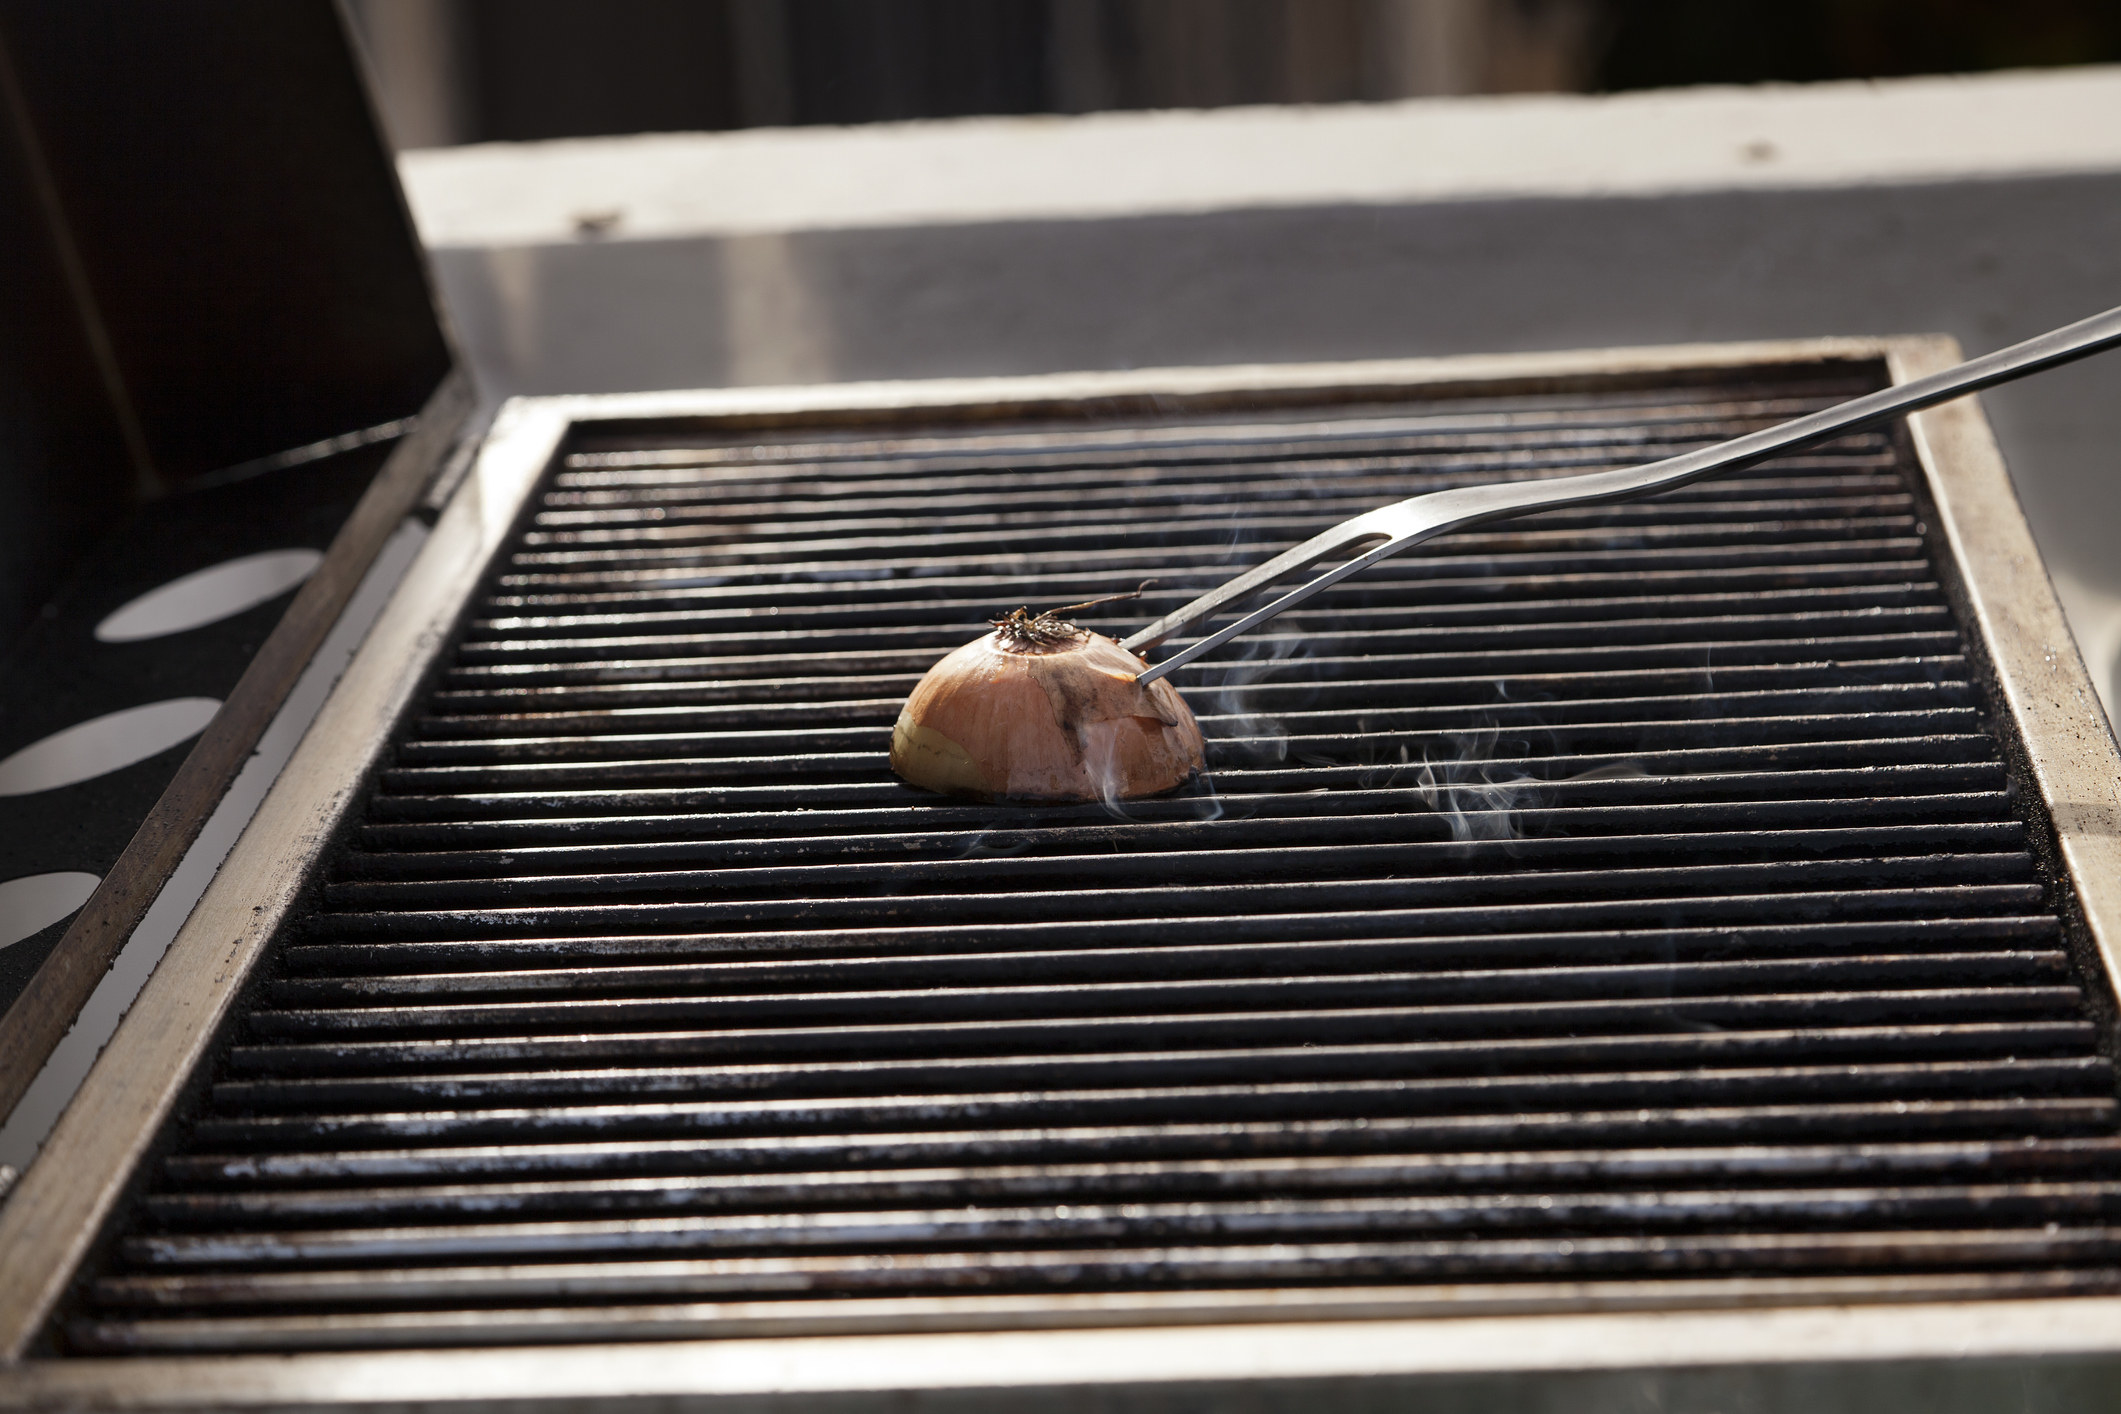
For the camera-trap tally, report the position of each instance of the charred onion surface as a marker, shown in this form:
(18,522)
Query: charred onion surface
(1042,710)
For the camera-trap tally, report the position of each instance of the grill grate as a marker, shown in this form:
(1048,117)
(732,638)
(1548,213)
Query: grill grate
(1628,905)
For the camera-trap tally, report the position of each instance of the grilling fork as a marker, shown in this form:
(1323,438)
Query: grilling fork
(1385,532)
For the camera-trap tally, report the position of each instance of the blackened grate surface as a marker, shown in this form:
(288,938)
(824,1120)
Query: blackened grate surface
(1626,906)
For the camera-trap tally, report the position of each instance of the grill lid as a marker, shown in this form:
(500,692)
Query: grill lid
(1624,906)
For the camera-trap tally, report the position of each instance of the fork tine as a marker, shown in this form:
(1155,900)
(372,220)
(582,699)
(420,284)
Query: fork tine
(1290,600)
(1407,523)
(1244,586)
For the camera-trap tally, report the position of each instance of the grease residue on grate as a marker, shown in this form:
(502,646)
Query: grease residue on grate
(1623,906)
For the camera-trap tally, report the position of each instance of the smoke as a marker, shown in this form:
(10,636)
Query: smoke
(1255,736)
(1478,781)
(1244,736)
(1480,797)
(1100,743)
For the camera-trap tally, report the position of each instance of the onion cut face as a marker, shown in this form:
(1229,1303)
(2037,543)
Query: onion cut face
(1042,710)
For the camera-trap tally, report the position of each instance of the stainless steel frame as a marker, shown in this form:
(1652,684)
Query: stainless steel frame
(1306,1337)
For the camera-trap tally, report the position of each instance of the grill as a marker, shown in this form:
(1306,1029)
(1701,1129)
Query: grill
(1627,906)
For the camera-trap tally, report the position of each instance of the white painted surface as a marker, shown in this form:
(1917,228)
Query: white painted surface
(103,744)
(48,1095)
(1132,164)
(34,902)
(209,595)
(1987,207)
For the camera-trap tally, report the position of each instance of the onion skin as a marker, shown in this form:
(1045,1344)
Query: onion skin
(1008,718)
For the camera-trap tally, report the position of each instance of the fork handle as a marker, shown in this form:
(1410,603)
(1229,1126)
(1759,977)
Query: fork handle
(1404,524)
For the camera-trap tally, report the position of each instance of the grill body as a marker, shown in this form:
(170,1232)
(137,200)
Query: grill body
(1634,907)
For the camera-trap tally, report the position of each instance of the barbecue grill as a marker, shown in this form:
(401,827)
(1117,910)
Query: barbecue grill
(1613,938)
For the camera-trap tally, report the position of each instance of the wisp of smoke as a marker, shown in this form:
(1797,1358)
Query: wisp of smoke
(1255,738)
(1257,658)
(1101,757)
(1483,796)
(1479,797)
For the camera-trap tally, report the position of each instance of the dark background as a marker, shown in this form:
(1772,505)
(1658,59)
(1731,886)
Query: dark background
(454,71)
(208,263)
(1660,43)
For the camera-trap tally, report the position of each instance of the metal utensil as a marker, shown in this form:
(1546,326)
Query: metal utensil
(1404,524)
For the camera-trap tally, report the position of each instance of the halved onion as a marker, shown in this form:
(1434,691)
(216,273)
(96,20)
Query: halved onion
(1042,710)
